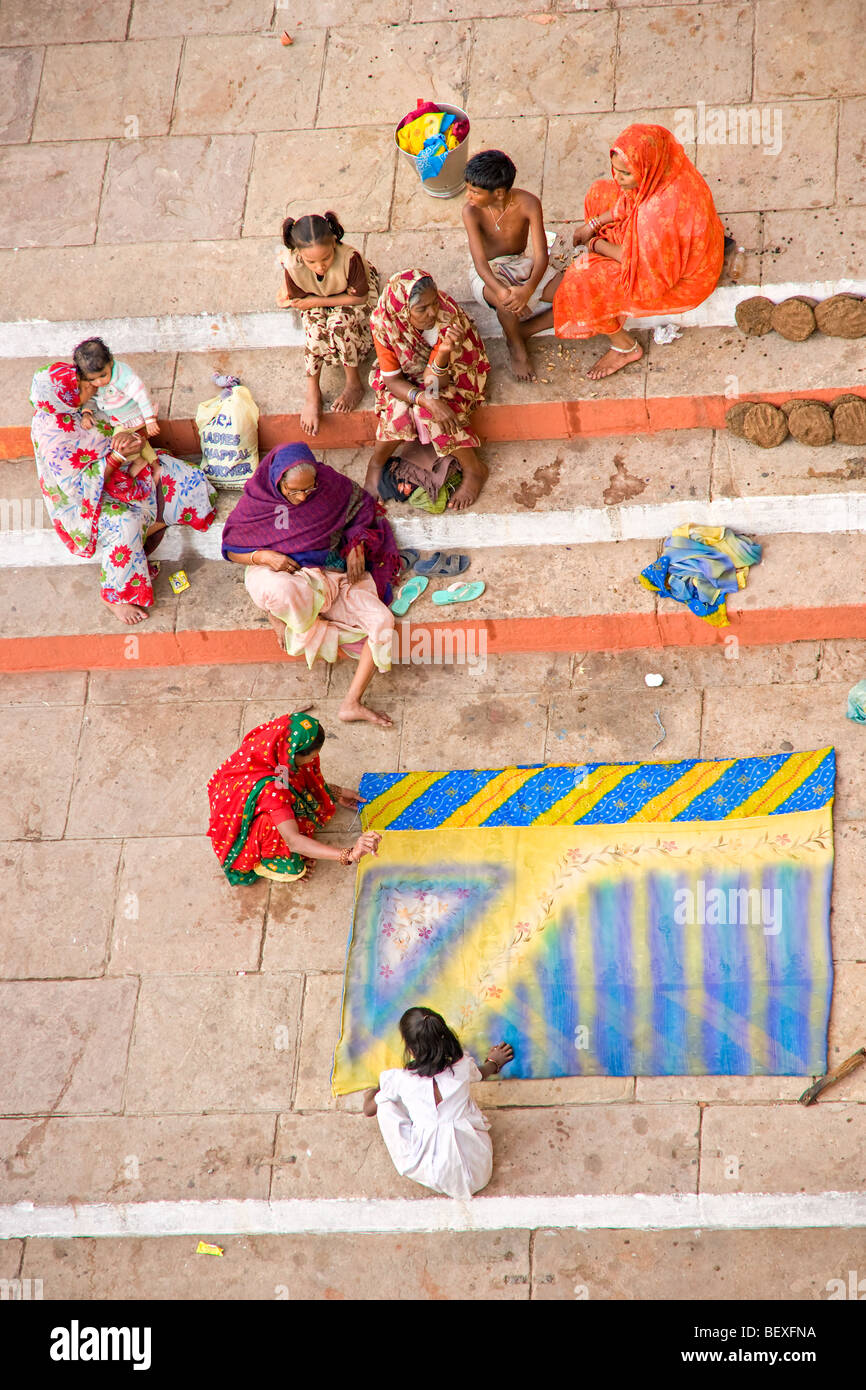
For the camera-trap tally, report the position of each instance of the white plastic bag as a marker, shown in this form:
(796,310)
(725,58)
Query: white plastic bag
(228,425)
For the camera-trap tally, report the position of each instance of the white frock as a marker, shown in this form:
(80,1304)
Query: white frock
(446,1146)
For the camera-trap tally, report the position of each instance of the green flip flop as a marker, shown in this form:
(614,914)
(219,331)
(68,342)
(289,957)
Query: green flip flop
(408,593)
(459,593)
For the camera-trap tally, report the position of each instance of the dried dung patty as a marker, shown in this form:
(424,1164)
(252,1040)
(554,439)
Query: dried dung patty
(754,316)
(736,415)
(842,316)
(846,396)
(765,425)
(849,421)
(788,406)
(794,319)
(811,423)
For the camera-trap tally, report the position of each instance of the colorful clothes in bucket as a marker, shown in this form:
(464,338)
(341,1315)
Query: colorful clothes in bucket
(401,347)
(699,566)
(671,237)
(259,784)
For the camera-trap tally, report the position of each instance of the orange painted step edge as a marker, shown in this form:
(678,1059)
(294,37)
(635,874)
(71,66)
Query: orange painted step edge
(597,632)
(494,423)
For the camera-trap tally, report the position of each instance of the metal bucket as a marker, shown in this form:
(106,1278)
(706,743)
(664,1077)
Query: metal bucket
(451,177)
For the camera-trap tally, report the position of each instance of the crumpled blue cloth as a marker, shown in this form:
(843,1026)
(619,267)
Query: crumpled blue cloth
(700,575)
(857,703)
(434,151)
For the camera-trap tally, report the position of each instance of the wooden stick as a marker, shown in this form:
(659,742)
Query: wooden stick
(844,1069)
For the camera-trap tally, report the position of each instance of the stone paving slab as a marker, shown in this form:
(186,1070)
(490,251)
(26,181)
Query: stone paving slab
(162,785)
(736,365)
(748,1266)
(57,902)
(320,1031)
(817,245)
(178,914)
(136,1159)
(785,37)
(473,1266)
(851,174)
(108,90)
(595,1149)
(742,470)
(43,688)
(816,1148)
(296,170)
(521,68)
(308,923)
(846,1027)
(591,727)
(154,18)
(53,21)
(100,281)
(214,1044)
(20,70)
(42,781)
(488,731)
(336,1155)
(658,56)
(244,83)
(849,938)
(195,187)
(694,668)
(737,1090)
(800,175)
(177,684)
(373,76)
(74,174)
(64,1045)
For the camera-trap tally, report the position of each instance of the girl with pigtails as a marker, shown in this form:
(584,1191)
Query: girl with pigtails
(334,289)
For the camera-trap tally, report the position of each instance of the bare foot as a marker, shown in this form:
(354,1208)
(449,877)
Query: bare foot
(521,366)
(349,398)
(466,494)
(613,361)
(351,712)
(280,629)
(128,613)
(312,411)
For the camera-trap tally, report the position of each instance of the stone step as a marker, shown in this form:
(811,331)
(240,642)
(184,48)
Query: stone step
(686,384)
(566,599)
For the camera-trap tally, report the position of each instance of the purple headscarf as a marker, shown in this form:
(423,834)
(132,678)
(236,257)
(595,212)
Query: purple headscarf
(321,530)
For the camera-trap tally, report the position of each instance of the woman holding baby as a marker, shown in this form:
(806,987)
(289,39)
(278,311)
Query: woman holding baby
(102,496)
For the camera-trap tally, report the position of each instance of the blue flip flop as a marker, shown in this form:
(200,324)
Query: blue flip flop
(442,564)
(459,593)
(407,595)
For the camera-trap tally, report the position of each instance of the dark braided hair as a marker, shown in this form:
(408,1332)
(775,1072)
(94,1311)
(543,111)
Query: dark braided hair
(311,230)
(430,1044)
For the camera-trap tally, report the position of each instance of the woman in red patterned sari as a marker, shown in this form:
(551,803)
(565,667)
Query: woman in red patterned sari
(430,375)
(656,246)
(268,800)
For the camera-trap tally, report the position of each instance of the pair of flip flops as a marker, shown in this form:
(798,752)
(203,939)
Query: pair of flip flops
(439,564)
(454,593)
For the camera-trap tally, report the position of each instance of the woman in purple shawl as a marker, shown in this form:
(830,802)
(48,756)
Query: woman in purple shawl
(320,556)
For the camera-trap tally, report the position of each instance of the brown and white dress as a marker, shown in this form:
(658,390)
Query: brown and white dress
(338,335)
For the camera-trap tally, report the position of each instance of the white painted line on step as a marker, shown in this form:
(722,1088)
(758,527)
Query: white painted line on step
(281,328)
(821,514)
(321,1216)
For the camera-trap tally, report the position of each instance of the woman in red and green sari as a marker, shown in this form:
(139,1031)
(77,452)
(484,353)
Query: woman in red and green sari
(268,800)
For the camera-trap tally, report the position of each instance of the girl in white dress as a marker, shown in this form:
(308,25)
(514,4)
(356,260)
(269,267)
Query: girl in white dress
(432,1127)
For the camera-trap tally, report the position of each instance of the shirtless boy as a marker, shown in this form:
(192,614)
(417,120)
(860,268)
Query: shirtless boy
(499,220)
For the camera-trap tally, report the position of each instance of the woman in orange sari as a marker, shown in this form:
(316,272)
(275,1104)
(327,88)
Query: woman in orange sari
(656,246)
